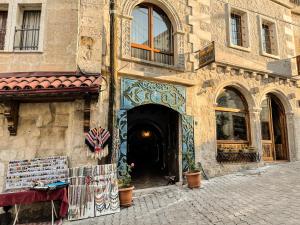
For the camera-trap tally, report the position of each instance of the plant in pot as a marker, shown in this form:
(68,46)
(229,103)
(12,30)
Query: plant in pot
(125,187)
(193,174)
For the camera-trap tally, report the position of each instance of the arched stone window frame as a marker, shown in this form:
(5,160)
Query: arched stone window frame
(178,34)
(232,110)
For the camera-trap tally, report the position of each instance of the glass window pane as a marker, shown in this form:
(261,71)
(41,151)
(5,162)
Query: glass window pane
(3,19)
(265,120)
(231,126)
(236,29)
(139,31)
(266,36)
(162,32)
(231,99)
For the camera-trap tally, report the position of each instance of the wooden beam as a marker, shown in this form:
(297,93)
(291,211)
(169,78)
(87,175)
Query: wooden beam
(87,114)
(11,113)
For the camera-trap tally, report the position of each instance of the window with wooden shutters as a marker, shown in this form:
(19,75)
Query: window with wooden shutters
(151,35)
(3,22)
(27,35)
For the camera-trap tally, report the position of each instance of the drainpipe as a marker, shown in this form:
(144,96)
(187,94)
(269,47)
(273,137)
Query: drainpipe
(113,75)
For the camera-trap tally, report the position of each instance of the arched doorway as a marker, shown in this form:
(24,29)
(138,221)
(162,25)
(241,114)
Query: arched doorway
(153,144)
(273,129)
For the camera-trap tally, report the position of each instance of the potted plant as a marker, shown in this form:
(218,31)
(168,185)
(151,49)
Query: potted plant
(193,173)
(125,187)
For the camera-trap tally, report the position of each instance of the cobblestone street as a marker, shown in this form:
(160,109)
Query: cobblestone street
(269,195)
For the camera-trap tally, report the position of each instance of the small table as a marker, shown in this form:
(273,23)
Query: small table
(30,196)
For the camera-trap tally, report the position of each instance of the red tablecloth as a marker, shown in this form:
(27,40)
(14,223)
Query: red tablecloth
(31,196)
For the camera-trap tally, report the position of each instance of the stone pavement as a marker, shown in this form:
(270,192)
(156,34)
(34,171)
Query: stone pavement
(269,195)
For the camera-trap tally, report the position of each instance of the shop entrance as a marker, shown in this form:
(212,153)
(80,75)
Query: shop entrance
(153,145)
(274,129)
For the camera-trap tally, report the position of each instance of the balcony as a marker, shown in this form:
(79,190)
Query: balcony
(26,39)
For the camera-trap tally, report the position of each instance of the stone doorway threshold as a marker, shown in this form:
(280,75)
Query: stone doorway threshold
(276,162)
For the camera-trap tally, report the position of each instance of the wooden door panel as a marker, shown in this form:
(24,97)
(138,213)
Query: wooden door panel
(268,151)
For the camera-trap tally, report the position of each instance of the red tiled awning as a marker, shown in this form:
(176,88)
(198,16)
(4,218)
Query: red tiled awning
(46,83)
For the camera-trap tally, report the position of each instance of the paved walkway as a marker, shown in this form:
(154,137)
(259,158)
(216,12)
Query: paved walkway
(270,195)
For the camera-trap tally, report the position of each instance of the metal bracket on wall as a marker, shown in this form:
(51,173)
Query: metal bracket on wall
(11,113)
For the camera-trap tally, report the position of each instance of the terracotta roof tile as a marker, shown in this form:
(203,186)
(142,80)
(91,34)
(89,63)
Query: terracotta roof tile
(56,83)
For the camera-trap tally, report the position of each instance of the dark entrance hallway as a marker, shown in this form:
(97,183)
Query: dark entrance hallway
(153,144)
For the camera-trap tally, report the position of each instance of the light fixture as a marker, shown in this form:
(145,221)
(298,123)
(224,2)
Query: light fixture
(146,134)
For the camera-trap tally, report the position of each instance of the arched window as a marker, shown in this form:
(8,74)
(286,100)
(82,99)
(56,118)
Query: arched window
(151,35)
(232,117)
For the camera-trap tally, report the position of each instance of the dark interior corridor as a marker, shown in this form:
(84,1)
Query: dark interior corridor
(152,145)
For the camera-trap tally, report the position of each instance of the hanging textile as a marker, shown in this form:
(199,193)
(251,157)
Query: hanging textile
(93,191)
(96,139)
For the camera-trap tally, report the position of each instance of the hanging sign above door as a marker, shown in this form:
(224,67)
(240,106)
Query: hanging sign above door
(207,55)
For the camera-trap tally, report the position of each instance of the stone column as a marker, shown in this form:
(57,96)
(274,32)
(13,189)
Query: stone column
(179,56)
(126,33)
(292,140)
(255,129)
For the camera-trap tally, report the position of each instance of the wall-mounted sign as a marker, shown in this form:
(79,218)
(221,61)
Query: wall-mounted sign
(207,55)
(298,63)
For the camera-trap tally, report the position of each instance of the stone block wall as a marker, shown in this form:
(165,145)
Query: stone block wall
(59,52)
(296,21)
(253,87)
(253,59)
(46,129)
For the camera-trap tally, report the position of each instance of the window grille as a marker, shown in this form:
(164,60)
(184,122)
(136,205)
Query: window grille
(3,21)
(236,29)
(266,38)
(27,36)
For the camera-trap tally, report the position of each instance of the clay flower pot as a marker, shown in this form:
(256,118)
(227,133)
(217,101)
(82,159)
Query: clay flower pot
(193,179)
(125,196)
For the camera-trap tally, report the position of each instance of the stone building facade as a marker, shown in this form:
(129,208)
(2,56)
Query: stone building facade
(171,106)
(70,37)
(246,68)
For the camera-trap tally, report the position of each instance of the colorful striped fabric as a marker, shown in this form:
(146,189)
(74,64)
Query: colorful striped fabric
(96,139)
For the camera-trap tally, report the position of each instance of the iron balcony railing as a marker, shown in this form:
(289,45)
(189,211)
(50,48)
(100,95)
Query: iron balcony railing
(2,38)
(26,38)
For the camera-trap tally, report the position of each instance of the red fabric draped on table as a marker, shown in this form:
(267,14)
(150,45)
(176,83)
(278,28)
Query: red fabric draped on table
(31,196)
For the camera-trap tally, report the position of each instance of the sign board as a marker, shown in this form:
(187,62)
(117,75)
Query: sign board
(24,173)
(298,63)
(207,55)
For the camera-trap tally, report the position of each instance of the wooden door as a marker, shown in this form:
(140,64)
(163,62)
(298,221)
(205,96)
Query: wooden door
(280,132)
(267,133)
(273,127)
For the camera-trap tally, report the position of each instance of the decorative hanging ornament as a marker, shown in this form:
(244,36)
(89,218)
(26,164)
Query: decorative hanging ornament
(96,139)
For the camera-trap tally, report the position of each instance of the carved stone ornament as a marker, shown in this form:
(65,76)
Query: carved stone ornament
(11,113)
(141,92)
